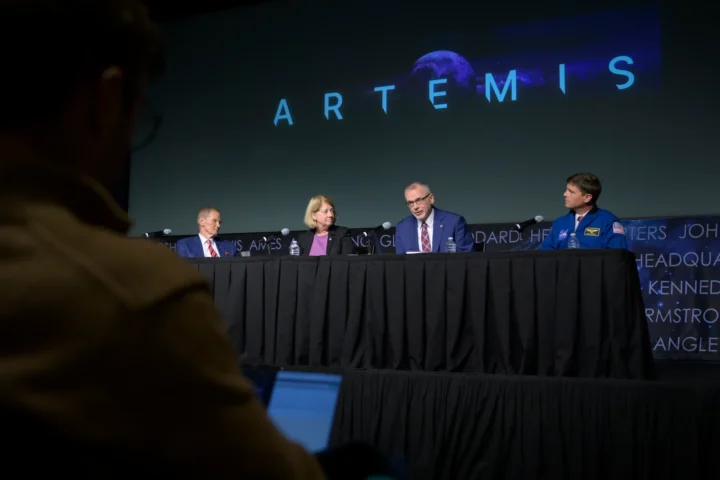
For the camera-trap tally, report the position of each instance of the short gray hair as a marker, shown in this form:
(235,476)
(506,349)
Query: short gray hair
(206,211)
(415,185)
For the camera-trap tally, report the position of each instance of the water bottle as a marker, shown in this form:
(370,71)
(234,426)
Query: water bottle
(450,246)
(573,241)
(294,248)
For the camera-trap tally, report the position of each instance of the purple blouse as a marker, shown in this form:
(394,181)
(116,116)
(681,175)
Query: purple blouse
(319,246)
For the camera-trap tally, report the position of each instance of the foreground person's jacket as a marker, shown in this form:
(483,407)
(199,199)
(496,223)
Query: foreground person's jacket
(113,358)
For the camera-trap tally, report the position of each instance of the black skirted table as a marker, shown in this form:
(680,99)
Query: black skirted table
(568,313)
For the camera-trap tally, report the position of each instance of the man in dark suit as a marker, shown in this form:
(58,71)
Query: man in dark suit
(204,243)
(427,229)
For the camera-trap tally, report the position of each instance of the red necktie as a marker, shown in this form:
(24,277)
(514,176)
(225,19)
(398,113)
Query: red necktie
(579,219)
(212,251)
(425,238)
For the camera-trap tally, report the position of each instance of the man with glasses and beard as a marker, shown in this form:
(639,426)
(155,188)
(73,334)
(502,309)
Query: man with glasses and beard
(428,228)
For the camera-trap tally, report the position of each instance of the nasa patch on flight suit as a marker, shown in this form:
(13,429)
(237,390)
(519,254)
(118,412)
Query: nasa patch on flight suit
(592,232)
(562,234)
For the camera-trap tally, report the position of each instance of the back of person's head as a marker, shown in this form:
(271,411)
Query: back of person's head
(51,48)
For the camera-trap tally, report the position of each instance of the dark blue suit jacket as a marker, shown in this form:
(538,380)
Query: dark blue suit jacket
(191,247)
(445,224)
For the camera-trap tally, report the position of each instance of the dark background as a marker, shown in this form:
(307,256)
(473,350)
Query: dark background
(168,10)
(655,153)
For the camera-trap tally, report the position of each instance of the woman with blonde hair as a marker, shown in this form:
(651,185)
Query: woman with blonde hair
(324,237)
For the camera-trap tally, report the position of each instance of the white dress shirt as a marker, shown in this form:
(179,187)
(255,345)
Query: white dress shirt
(577,219)
(429,222)
(206,250)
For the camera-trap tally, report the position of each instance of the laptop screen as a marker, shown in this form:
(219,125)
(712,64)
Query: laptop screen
(302,405)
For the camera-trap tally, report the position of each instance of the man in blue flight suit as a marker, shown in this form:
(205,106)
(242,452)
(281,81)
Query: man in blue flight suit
(593,226)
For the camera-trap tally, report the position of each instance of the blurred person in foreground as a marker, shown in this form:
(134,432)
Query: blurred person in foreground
(205,244)
(324,237)
(592,226)
(113,359)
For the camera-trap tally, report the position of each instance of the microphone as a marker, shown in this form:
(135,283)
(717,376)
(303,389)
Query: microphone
(384,226)
(372,234)
(159,233)
(284,232)
(520,227)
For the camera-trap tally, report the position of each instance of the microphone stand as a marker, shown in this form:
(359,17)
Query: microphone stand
(371,236)
(267,244)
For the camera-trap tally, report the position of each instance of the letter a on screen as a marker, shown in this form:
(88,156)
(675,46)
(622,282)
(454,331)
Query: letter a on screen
(283,113)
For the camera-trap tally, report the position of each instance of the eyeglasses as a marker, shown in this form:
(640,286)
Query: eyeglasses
(412,203)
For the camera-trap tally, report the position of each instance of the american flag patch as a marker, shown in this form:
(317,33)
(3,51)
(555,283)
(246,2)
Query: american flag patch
(618,228)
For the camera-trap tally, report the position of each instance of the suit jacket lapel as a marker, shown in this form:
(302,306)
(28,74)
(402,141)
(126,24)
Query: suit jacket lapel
(198,247)
(438,228)
(413,236)
(331,241)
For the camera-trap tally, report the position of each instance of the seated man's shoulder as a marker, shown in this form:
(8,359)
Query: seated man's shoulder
(563,220)
(451,215)
(140,254)
(608,214)
(137,271)
(611,221)
(405,221)
(186,240)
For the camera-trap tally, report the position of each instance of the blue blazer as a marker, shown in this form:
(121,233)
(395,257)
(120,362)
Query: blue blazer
(191,247)
(445,224)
